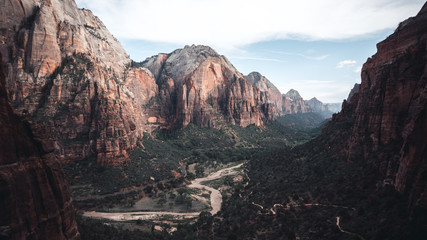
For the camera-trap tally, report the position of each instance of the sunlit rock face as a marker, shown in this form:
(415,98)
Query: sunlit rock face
(202,87)
(74,83)
(67,74)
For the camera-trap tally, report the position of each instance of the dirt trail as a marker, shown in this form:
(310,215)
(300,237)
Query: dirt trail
(215,198)
(344,231)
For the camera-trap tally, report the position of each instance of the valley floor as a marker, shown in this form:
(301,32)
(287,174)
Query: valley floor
(198,183)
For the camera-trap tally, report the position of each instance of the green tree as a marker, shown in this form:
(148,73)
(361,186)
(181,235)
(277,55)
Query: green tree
(161,202)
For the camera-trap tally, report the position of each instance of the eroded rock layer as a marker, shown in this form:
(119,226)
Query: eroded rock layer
(35,198)
(202,87)
(70,77)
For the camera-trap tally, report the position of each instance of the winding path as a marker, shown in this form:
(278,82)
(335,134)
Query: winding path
(344,231)
(215,198)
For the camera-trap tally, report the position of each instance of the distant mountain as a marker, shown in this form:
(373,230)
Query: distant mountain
(317,105)
(269,92)
(293,103)
(325,109)
(197,85)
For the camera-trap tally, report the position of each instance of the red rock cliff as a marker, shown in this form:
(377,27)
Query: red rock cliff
(199,86)
(390,112)
(35,198)
(69,76)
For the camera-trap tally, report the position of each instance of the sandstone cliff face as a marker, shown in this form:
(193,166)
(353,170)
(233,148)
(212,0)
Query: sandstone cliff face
(69,76)
(199,86)
(389,112)
(35,198)
(269,93)
(293,103)
(72,80)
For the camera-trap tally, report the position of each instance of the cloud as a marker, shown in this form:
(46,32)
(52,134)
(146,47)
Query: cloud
(346,63)
(233,24)
(317,58)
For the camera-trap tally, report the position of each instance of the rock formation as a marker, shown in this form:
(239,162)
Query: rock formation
(293,103)
(388,113)
(199,86)
(75,84)
(35,198)
(269,93)
(70,77)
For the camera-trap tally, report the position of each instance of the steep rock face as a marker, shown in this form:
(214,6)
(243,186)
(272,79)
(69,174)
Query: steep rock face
(70,76)
(35,197)
(390,119)
(269,93)
(293,103)
(198,85)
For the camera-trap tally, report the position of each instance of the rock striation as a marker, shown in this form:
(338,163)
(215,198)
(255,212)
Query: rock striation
(35,198)
(67,74)
(199,86)
(388,114)
(293,103)
(83,96)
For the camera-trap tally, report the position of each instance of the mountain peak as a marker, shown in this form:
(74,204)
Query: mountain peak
(292,94)
(199,50)
(314,99)
(255,74)
(260,81)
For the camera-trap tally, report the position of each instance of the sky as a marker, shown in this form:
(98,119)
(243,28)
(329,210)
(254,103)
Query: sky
(314,46)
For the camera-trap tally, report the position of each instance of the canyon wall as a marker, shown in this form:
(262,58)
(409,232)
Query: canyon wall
(71,79)
(387,114)
(35,198)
